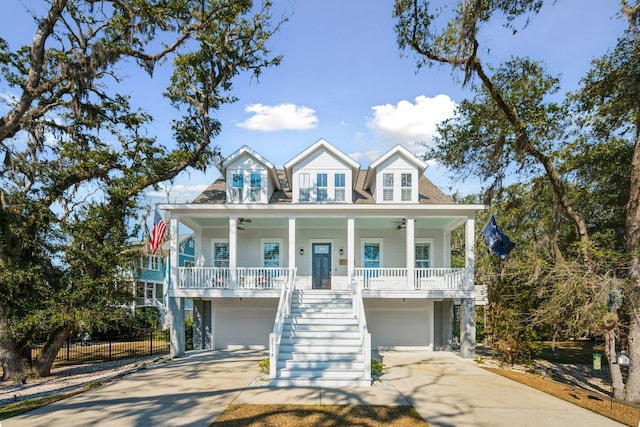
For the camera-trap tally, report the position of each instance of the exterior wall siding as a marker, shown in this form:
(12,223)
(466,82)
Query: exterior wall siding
(394,323)
(243,323)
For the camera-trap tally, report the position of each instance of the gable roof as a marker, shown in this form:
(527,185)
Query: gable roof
(320,145)
(428,193)
(245,150)
(397,150)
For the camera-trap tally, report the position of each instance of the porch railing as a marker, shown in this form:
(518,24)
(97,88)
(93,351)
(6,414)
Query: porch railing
(365,336)
(284,310)
(246,277)
(398,278)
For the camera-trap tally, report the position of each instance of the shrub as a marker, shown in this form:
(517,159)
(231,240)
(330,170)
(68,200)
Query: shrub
(265,365)
(377,369)
(188,333)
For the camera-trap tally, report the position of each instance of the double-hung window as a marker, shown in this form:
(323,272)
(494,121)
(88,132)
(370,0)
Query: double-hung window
(339,184)
(406,187)
(305,188)
(220,254)
(423,255)
(238,185)
(255,191)
(387,187)
(321,187)
(372,257)
(271,253)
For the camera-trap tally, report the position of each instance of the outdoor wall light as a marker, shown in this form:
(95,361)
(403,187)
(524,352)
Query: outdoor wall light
(341,251)
(301,251)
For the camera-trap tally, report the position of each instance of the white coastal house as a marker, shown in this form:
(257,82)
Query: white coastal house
(322,262)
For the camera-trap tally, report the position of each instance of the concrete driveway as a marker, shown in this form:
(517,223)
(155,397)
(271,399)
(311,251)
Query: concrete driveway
(192,391)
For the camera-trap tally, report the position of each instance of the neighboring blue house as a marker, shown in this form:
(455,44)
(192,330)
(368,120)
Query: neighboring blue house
(150,284)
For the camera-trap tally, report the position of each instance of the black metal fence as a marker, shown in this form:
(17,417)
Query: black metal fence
(76,352)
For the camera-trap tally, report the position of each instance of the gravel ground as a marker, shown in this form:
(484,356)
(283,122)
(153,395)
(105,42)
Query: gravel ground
(65,379)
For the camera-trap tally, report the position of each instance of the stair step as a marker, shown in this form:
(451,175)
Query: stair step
(320,365)
(342,374)
(313,327)
(319,321)
(348,334)
(337,341)
(320,357)
(310,348)
(315,315)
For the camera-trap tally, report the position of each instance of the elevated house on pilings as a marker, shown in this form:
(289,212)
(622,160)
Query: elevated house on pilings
(320,262)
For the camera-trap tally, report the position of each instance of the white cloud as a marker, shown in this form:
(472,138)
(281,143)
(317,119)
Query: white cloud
(407,123)
(279,117)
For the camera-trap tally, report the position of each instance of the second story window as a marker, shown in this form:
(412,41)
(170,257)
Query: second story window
(406,187)
(339,187)
(387,187)
(305,188)
(256,187)
(321,187)
(271,254)
(238,185)
(221,254)
(423,255)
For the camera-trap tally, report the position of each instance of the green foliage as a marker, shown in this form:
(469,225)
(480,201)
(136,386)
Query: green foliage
(78,155)
(147,317)
(264,365)
(377,369)
(188,333)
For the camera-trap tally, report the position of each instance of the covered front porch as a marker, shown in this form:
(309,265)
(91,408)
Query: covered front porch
(236,249)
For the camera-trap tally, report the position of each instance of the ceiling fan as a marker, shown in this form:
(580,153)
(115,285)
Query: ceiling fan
(242,221)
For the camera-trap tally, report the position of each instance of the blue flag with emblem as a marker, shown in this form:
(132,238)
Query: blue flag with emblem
(496,240)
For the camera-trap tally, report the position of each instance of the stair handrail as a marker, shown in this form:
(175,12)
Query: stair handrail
(284,310)
(359,313)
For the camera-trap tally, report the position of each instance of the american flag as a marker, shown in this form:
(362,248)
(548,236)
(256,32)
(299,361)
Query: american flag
(157,232)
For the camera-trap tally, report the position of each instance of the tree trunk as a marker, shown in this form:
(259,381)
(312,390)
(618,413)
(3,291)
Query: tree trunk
(617,383)
(44,360)
(12,364)
(632,388)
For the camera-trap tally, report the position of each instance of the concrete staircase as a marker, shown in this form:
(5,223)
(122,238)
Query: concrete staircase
(321,343)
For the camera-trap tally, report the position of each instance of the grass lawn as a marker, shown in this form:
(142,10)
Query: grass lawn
(318,415)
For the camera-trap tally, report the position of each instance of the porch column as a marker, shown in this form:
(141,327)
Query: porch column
(292,242)
(410,252)
(202,335)
(233,247)
(351,252)
(177,337)
(468,305)
(176,305)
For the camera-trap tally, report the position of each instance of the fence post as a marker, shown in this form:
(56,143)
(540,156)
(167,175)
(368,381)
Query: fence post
(110,341)
(68,345)
(150,343)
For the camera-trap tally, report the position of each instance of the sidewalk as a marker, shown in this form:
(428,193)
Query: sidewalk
(192,391)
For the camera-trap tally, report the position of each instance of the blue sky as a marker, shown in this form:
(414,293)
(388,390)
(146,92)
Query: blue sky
(343,79)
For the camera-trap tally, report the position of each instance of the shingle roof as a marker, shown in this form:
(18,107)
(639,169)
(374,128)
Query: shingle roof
(428,192)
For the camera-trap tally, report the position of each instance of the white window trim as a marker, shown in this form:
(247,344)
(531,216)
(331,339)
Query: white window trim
(271,240)
(363,242)
(431,242)
(213,248)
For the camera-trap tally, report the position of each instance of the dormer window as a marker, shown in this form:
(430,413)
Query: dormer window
(305,188)
(256,187)
(238,186)
(321,187)
(339,183)
(406,190)
(387,187)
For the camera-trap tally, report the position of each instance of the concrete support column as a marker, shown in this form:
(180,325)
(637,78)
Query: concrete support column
(233,249)
(202,335)
(468,305)
(468,328)
(410,250)
(447,325)
(177,337)
(351,246)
